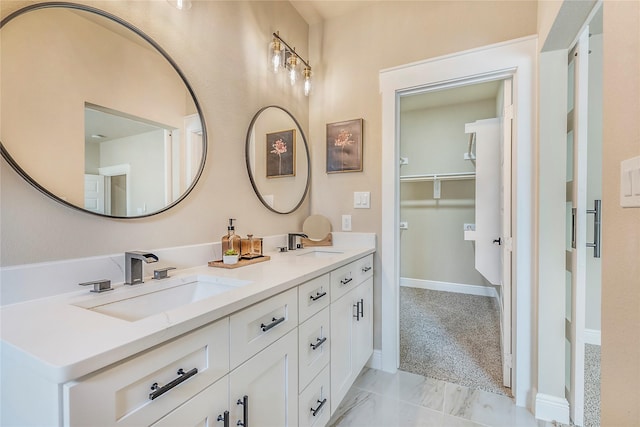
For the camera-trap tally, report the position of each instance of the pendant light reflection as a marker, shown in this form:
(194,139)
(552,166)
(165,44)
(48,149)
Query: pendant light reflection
(180,4)
(281,55)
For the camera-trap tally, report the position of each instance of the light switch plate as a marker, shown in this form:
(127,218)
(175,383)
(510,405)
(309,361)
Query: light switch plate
(362,199)
(630,183)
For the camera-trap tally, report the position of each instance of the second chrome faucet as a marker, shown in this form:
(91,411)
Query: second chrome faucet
(133,271)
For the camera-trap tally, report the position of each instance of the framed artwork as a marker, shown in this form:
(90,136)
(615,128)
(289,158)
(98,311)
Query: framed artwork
(344,146)
(281,154)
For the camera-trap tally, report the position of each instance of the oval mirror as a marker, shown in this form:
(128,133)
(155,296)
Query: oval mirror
(277,157)
(95,114)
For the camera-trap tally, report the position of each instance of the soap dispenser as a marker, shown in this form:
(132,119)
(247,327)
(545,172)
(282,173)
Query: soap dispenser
(231,240)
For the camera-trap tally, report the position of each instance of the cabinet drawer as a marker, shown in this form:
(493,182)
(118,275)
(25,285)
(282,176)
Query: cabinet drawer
(314,342)
(347,277)
(254,328)
(124,395)
(311,414)
(313,296)
(205,409)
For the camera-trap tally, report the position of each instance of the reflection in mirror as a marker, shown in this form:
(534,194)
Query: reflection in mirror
(277,159)
(95,114)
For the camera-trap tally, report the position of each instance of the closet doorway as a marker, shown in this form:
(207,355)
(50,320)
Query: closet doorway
(455,258)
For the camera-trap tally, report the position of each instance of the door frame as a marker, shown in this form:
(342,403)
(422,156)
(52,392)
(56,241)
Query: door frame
(516,59)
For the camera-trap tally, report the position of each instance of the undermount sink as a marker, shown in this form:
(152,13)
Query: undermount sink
(153,298)
(320,253)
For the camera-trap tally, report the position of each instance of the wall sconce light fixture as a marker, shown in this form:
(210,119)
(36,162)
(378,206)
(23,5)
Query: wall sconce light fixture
(281,55)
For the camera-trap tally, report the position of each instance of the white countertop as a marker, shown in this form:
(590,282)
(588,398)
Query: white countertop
(62,341)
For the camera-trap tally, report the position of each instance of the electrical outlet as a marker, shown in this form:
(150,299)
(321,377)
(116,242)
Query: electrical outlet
(346,222)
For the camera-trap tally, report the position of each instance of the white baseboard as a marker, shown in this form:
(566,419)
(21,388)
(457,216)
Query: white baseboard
(592,336)
(461,288)
(551,408)
(375,361)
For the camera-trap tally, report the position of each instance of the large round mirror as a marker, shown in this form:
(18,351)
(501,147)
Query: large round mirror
(95,114)
(277,157)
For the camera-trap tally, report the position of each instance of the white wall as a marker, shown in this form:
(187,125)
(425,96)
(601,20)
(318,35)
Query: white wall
(434,141)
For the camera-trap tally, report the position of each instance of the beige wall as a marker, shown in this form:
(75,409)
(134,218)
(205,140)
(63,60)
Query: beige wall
(221,48)
(621,230)
(347,54)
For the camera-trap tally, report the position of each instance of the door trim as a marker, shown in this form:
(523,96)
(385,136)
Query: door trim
(516,58)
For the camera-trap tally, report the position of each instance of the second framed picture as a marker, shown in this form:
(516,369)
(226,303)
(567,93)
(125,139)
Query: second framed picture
(344,146)
(281,154)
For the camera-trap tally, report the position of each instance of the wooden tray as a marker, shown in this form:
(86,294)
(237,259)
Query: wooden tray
(327,241)
(240,263)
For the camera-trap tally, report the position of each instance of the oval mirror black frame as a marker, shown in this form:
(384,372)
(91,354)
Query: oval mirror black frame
(247,156)
(163,53)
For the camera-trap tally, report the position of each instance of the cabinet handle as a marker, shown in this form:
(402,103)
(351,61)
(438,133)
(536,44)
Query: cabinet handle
(347,280)
(359,306)
(245,411)
(365,269)
(318,343)
(224,418)
(317,296)
(274,322)
(321,404)
(183,376)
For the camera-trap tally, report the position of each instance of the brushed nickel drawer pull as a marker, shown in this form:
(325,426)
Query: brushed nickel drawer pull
(274,322)
(183,376)
(318,343)
(317,296)
(321,404)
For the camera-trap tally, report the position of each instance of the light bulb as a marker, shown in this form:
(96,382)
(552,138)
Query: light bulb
(293,69)
(307,81)
(275,55)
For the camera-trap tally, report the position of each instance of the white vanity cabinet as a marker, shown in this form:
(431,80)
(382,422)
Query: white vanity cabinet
(285,361)
(351,325)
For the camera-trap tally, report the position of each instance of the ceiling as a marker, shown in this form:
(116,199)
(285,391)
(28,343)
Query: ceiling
(315,11)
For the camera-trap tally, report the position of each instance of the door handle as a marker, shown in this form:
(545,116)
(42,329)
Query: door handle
(497,241)
(597,221)
(224,418)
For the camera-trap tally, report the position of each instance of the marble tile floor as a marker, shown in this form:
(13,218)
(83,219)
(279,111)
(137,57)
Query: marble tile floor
(380,399)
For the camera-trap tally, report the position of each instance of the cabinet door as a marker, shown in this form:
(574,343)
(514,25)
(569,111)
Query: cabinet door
(343,370)
(269,380)
(315,401)
(204,410)
(363,334)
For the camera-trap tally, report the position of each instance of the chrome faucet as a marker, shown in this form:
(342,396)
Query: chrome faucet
(292,239)
(133,266)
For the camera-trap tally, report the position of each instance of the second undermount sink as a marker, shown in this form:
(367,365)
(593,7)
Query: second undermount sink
(151,298)
(319,253)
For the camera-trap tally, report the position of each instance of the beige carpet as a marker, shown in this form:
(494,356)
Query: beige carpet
(451,337)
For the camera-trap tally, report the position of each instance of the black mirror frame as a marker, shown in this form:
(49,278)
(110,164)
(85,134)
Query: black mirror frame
(247,156)
(165,55)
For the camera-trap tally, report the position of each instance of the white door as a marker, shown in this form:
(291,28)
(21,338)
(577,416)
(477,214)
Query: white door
(488,251)
(263,391)
(576,204)
(94,193)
